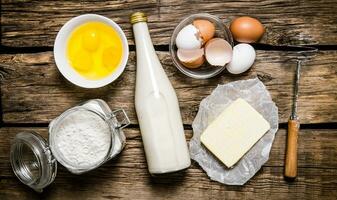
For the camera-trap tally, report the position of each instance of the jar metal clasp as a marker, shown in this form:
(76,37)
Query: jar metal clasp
(51,159)
(119,118)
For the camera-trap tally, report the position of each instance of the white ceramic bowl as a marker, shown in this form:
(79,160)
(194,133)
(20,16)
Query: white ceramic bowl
(60,56)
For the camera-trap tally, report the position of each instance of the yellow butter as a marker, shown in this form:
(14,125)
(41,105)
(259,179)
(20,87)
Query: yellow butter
(234,132)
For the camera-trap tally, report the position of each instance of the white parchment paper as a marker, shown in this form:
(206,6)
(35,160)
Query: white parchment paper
(256,94)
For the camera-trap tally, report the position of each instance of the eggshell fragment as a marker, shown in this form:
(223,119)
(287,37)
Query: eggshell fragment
(191,58)
(188,38)
(218,52)
(206,29)
(247,29)
(243,58)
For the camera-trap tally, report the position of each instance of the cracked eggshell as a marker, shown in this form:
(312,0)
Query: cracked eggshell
(206,29)
(243,58)
(189,38)
(193,58)
(218,52)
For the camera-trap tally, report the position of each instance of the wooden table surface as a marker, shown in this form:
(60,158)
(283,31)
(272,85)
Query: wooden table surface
(33,92)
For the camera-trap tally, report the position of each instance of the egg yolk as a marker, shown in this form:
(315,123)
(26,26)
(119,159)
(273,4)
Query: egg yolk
(90,40)
(94,50)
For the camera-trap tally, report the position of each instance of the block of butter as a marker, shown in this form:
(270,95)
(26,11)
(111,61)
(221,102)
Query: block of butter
(234,132)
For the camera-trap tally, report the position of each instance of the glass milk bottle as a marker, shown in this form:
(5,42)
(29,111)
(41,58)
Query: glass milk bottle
(157,107)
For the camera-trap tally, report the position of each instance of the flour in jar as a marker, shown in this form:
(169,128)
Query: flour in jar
(82,139)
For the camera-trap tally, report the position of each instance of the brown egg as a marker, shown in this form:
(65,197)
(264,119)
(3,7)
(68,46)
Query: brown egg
(191,58)
(246,29)
(206,29)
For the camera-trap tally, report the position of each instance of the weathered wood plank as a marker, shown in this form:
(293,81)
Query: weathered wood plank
(116,179)
(317,149)
(33,91)
(136,184)
(35,23)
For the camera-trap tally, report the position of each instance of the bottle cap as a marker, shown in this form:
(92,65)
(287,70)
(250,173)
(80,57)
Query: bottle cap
(138,17)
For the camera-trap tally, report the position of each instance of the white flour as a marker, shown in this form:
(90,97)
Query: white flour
(83,139)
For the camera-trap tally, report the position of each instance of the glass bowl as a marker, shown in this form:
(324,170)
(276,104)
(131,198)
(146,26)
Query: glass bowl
(205,70)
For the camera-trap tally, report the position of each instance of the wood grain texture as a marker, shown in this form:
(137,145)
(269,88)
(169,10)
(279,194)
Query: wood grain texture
(36,23)
(127,176)
(126,183)
(33,91)
(290,170)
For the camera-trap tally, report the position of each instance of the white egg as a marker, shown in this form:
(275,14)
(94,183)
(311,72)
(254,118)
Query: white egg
(188,38)
(243,58)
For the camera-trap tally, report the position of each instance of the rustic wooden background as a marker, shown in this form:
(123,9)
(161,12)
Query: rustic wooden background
(33,92)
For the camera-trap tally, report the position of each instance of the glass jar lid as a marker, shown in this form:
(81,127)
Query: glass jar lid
(32,161)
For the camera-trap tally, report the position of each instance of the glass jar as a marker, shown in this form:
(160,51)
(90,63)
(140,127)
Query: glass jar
(33,159)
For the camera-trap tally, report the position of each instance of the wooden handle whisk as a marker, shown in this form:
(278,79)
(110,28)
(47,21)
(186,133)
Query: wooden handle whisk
(291,154)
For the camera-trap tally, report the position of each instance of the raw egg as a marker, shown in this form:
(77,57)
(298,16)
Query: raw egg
(247,29)
(243,58)
(94,50)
